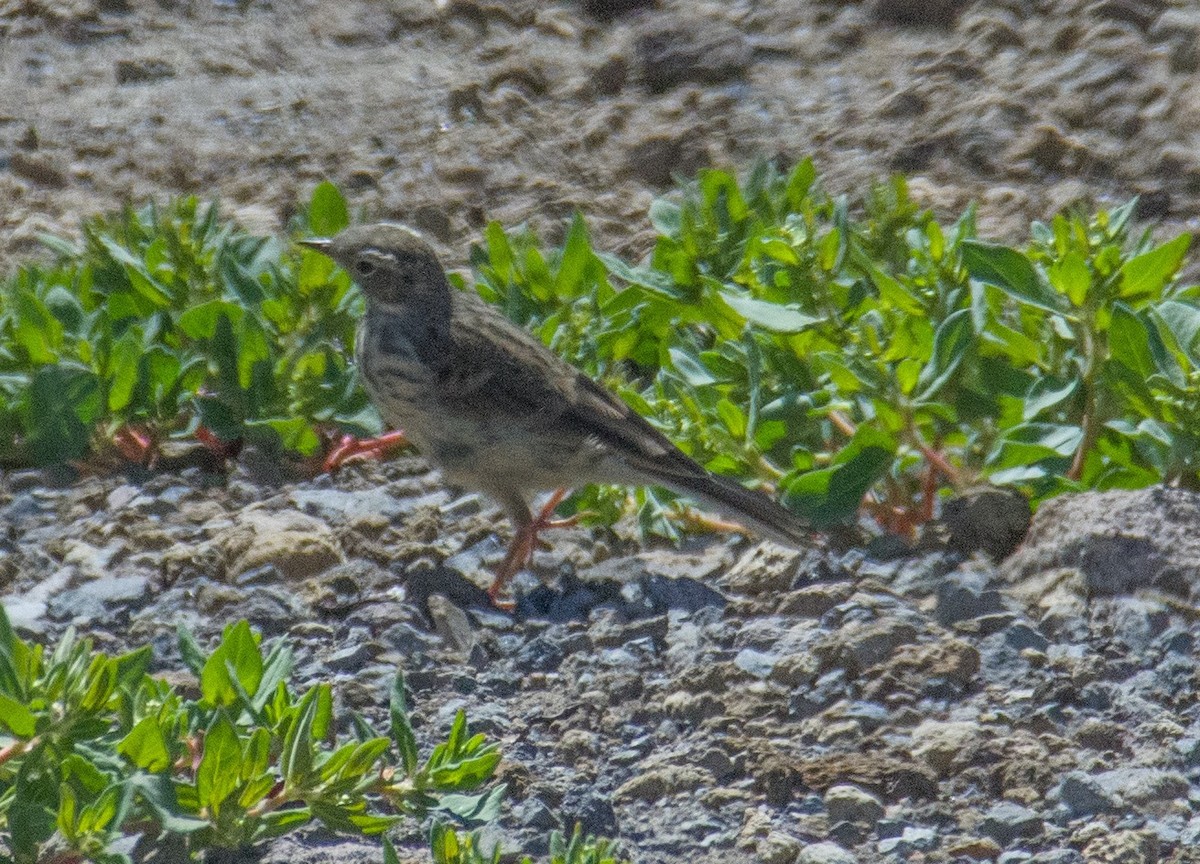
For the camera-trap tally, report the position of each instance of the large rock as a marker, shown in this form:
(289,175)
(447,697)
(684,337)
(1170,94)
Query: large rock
(297,545)
(1117,541)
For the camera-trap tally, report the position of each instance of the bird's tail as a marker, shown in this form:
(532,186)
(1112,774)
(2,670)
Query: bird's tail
(746,506)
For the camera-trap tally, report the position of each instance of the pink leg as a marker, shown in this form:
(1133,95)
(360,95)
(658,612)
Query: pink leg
(526,540)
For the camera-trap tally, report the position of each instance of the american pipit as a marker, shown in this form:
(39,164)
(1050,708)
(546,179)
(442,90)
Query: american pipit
(498,412)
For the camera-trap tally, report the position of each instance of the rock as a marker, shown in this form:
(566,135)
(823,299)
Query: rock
(91,601)
(453,626)
(297,544)
(683,594)
(912,839)
(1083,795)
(606,629)
(857,647)
(366,506)
(768,568)
(353,658)
(658,783)
(988,519)
(760,664)
(656,158)
(591,810)
(825,853)
(41,169)
(143,71)
(608,10)
(1117,540)
(1005,822)
(673,50)
(946,746)
(1137,787)
(1123,847)
(847,803)
(813,601)
(692,707)
(975,848)
(939,14)
(538,655)
(778,848)
(964,594)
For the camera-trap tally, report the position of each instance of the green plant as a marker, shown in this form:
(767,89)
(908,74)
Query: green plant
(166,321)
(97,756)
(840,355)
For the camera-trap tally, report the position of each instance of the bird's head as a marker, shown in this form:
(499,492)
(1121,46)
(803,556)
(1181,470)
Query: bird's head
(393,265)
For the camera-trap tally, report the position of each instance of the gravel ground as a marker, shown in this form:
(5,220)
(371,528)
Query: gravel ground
(728,701)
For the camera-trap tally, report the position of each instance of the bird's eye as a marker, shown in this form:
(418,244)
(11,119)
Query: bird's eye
(364,267)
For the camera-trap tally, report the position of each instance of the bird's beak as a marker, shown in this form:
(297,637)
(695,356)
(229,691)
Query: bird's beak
(320,244)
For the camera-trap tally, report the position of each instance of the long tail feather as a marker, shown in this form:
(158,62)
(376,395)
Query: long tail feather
(753,509)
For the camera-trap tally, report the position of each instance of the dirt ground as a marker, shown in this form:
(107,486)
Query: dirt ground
(450,114)
(727,701)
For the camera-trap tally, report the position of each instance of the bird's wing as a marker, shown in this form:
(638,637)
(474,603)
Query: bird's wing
(513,374)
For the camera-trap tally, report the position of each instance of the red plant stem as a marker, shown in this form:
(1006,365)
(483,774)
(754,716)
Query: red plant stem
(938,461)
(1085,444)
(17,748)
(929,492)
(843,423)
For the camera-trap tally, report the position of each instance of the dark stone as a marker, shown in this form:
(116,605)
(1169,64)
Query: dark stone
(963,595)
(678,51)
(941,14)
(683,594)
(538,655)
(1006,822)
(989,519)
(609,10)
(143,71)
(591,810)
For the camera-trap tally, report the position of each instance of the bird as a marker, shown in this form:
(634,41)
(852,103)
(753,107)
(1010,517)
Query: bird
(498,412)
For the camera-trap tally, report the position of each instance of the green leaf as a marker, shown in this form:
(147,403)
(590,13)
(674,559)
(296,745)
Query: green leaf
(828,496)
(770,316)
(389,852)
(1010,271)
(576,258)
(1182,321)
(296,760)
(220,764)
(158,792)
(800,183)
(953,338)
(200,321)
(1129,341)
(1148,273)
(1046,393)
(145,745)
(17,718)
(402,733)
(239,652)
(665,216)
(327,211)
(123,372)
(61,408)
(1071,276)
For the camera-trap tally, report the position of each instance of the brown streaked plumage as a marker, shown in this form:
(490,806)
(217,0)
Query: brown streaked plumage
(495,409)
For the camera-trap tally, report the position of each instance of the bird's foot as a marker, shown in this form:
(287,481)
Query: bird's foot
(350,448)
(520,551)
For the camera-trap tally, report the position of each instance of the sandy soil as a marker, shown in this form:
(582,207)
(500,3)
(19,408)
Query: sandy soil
(450,114)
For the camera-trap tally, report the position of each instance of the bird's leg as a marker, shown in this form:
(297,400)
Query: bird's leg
(349,448)
(526,540)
